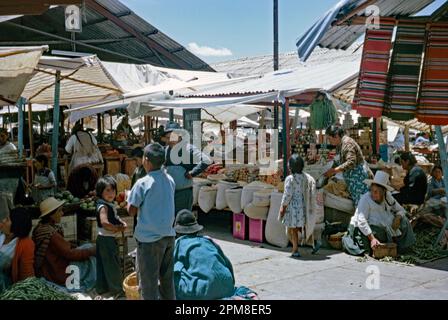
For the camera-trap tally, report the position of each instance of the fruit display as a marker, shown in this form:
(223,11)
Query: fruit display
(67,197)
(88,204)
(212,169)
(301,139)
(120,200)
(246,174)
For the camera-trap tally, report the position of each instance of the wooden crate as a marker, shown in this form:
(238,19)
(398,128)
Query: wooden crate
(112,165)
(90,231)
(129,166)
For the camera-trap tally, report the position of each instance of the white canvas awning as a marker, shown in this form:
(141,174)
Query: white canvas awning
(16,69)
(83,79)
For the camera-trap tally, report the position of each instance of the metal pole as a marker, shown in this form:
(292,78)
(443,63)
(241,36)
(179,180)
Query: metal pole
(275,35)
(285,136)
(20,105)
(55,137)
(171,116)
(444,164)
(276,113)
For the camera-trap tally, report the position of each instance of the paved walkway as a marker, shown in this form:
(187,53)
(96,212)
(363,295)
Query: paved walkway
(329,275)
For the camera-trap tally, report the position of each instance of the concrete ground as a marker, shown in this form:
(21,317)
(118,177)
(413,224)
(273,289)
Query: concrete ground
(330,275)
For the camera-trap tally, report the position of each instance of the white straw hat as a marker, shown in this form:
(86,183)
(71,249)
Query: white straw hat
(49,205)
(382,179)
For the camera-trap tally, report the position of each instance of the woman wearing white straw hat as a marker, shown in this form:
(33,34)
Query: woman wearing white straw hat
(378,218)
(54,254)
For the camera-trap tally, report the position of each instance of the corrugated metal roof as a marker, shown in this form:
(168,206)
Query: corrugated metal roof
(264,64)
(341,37)
(96,26)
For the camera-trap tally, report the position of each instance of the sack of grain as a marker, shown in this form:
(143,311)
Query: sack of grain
(197,184)
(255,212)
(262,198)
(222,186)
(248,192)
(207,198)
(275,231)
(233,199)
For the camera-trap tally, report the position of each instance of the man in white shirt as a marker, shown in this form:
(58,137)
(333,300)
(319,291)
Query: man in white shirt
(379,218)
(424,138)
(5,145)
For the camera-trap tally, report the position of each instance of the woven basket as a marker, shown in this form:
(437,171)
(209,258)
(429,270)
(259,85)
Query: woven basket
(385,250)
(335,241)
(130,286)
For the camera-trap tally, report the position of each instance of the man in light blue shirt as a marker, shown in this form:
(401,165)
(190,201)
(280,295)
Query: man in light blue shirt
(152,200)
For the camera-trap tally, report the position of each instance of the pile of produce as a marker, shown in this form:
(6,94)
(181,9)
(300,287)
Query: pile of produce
(67,197)
(212,169)
(246,174)
(338,188)
(120,200)
(33,289)
(423,249)
(88,204)
(274,179)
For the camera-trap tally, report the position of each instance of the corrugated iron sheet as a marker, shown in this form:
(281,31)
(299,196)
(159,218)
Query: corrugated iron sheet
(341,37)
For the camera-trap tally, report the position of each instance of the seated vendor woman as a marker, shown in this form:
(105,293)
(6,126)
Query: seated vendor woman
(201,269)
(16,247)
(379,218)
(415,182)
(54,254)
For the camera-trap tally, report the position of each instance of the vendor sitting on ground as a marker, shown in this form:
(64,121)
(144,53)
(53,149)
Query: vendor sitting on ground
(16,247)
(378,219)
(5,145)
(54,254)
(415,182)
(201,269)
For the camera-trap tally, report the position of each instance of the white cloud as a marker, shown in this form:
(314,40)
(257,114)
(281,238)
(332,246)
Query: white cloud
(208,51)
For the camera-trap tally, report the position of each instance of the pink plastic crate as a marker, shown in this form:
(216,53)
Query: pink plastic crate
(240,226)
(256,230)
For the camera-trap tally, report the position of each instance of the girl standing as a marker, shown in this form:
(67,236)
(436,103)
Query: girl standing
(298,203)
(109,277)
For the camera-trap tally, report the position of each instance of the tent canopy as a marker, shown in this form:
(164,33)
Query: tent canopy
(17,67)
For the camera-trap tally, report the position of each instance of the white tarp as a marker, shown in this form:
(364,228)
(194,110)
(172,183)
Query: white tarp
(143,83)
(34,108)
(16,68)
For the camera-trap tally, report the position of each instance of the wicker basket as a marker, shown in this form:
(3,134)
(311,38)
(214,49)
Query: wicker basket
(385,250)
(335,241)
(130,286)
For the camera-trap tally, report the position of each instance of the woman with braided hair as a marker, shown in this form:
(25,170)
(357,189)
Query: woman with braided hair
(82,145)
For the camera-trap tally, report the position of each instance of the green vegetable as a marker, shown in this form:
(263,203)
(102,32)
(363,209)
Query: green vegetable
(58,196)
(70,198)
(66,194)
(75,200)
(33,289)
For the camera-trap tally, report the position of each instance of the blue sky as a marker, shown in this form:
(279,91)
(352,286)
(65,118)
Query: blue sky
(218,30)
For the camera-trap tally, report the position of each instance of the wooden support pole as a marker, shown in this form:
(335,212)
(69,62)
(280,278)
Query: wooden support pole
(20,106)
(406,139)
(56,113)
